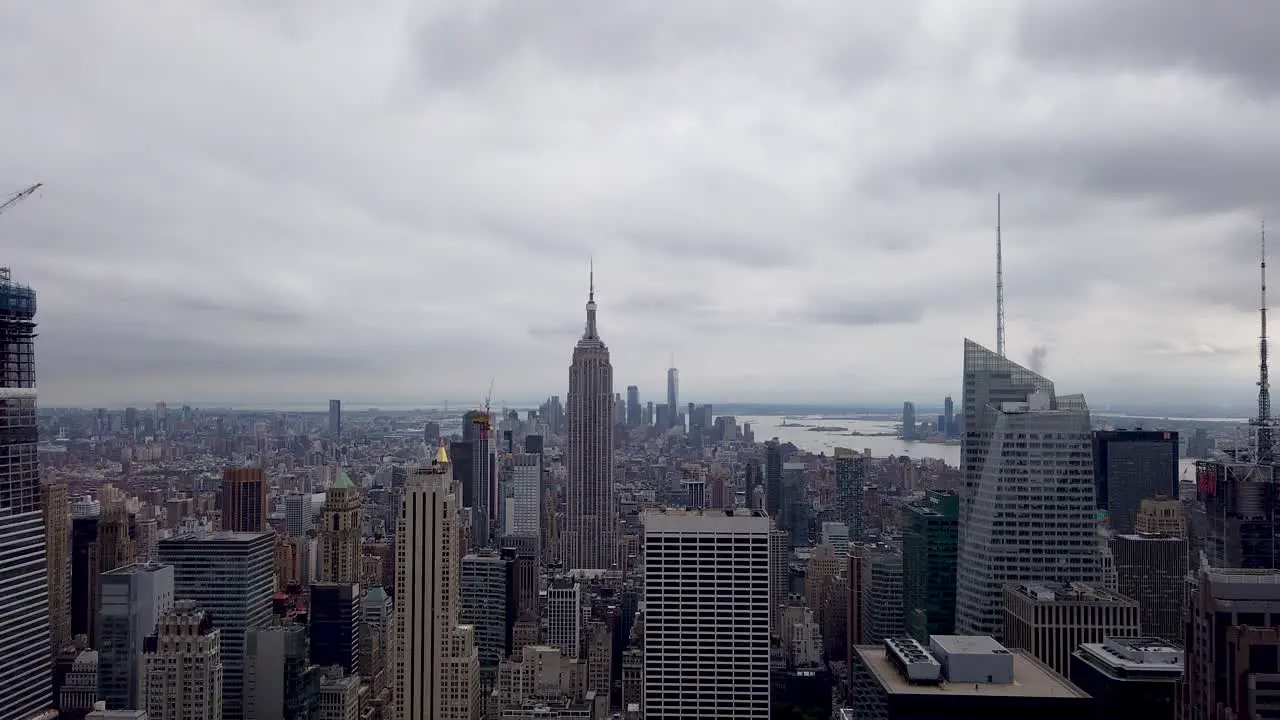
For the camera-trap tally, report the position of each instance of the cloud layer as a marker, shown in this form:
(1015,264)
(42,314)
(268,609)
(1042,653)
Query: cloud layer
(395,201)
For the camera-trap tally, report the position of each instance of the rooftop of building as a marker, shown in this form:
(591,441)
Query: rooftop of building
(1159,537)
(705,520)
(217,536)
(1075,592)
(1031,679)
(1137,654)
(137,568)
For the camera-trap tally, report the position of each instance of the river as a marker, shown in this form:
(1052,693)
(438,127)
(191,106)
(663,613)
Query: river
(770,426)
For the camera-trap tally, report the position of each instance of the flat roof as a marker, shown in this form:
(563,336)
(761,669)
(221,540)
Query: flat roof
(219,536)
(1030,678)
(693,520)
(969,644)
(137,568)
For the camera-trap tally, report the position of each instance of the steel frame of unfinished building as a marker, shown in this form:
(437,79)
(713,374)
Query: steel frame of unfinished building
(26,673)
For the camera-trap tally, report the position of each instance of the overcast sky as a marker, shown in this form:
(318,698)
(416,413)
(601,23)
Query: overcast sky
(395,201)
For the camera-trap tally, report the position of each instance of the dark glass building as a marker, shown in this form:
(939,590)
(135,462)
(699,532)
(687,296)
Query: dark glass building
(1129,466)
(930,538)
(334,620)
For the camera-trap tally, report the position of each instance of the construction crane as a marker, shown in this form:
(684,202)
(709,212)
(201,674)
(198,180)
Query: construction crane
(488,398)
(19,196)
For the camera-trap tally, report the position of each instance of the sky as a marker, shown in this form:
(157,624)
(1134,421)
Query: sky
(395,201)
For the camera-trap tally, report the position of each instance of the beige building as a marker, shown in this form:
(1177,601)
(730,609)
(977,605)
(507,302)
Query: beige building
(437,667)
(338,536)
(182,676)
(339,696)
(1161,516)
(57,542)
(544,683)
(1052,620)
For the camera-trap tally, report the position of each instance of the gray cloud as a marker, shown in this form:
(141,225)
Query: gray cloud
(261,219)
(834,311)
(1233,41)
(1037,357)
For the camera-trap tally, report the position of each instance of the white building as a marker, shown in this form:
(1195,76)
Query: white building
(437,670)
(564,617)
(1027,513)
(526,497)
(706,631)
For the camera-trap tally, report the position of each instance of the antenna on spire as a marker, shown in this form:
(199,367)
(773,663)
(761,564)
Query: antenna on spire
(591,279)
(999,285)
(1263,421)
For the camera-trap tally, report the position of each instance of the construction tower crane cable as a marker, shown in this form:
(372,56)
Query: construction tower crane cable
(18,197)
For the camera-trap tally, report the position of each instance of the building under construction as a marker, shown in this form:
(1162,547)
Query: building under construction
(24,619)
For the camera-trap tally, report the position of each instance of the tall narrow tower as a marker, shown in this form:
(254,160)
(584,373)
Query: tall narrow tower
(999,284)
(673,393)
(27,681)
(589,534)
(1263,420)
(437,672)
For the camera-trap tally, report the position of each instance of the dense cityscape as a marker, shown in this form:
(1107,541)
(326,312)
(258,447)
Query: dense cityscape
(599,557)
(289,289)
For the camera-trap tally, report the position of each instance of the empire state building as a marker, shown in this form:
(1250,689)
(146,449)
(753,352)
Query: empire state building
(589,533)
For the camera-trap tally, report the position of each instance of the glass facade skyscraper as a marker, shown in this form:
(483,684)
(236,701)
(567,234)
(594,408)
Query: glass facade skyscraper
(26,666)
(1028,511)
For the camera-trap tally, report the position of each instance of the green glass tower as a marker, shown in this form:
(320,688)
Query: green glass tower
(929,541)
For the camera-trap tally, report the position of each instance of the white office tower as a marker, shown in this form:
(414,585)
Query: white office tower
(182,667)
(564,617)
(526,495)
(706,630)
(437,669)
(1027,510)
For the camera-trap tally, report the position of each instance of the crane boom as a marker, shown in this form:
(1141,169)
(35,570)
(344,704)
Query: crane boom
(19,196)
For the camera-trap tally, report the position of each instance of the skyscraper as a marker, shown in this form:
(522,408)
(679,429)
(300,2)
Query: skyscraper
(589,535)
(335,418)
(929,531)
(57,535)
(230,576)
(850,477)
(673,395)
(1027,459)
(633,405)
(773,482)
(1130,466)
(339,535)
(242,498)
(478,431)
(706,649)
(948,418)
(437,672)
(134,599)
(26,684)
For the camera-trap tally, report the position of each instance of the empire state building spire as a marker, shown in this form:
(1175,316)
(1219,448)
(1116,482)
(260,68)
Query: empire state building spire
(590,333)
(588,536)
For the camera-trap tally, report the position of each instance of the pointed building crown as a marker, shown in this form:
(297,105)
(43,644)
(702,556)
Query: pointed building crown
(590,332)
(442,455)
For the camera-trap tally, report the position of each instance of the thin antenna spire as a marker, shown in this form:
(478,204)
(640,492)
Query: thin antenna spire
(590,333)
(1263,421)
(999,284)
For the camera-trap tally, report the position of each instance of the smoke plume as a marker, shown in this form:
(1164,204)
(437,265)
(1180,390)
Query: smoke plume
(1035,361)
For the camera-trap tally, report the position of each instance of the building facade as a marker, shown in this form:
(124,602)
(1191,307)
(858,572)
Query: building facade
(706,630)
(437,669)
(134,598)
(930,534)
(1025,451)
(1051,620)
(24,604)
(339,536)
(590,528)
(229,575)
(1130,466)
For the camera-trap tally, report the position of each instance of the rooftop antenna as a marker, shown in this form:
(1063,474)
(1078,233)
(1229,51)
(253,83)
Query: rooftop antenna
(1000,285)
(1263,421)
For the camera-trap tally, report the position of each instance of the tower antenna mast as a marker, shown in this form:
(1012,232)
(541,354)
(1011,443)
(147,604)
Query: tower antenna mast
(999,284)
(1263,421)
